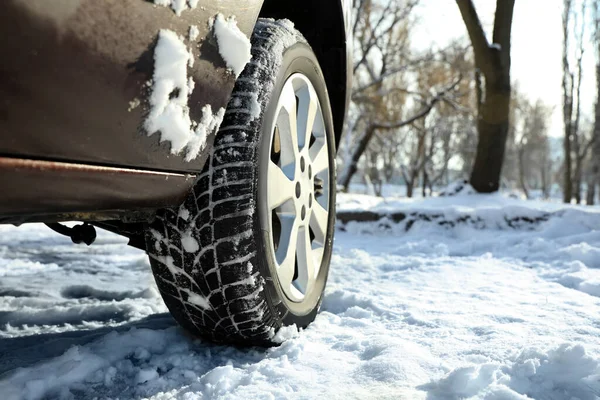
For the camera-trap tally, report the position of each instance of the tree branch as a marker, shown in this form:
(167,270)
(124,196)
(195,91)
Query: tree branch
(481,46)
(503,24)
(421,113)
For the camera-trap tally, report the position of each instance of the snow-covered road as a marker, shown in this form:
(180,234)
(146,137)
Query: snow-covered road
(483,311)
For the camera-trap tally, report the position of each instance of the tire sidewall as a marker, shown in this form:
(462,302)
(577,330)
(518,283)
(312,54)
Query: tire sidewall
(298,58)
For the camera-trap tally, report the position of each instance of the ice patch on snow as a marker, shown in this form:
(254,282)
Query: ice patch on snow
(234,45)
(169,113)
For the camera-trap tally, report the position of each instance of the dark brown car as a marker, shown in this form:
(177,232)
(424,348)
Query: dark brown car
(205,131)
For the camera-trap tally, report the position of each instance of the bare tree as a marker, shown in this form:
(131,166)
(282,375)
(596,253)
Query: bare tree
(431,140)
(384,153)
(528,158)
(439,151)
(493,61)
(376,126)
(532,147)
(415,157)
(383,59)
(510,177)
(567,87)
(576,144)
(595,167)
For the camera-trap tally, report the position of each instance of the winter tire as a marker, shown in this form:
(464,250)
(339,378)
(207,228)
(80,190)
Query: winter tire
(248,252)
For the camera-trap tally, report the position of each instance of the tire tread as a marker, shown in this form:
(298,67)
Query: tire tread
(221,215)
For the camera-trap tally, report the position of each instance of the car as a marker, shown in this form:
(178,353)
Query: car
(204,131)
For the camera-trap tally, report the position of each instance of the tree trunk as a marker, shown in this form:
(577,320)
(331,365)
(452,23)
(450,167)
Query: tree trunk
(522,182)
(358,151)
(409,188)
(374,174)
(595,178)
(567,184)
(567,87)
(425,183)
(494,63)
(378,188)
(485,177)
(544,178)
(591,193)
(577,181)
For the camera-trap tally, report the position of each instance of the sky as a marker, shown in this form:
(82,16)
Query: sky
(536,47)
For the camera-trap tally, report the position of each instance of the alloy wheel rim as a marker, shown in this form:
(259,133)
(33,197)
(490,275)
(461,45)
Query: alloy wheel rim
(298,187)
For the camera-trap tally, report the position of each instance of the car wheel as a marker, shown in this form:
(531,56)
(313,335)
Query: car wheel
(248,252)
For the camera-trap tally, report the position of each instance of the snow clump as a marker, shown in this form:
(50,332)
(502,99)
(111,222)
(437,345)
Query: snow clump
(177,5)
(171,90)
(234,46)
(194,33)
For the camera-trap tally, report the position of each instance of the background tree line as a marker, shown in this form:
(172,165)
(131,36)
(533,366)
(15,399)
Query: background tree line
(425,118)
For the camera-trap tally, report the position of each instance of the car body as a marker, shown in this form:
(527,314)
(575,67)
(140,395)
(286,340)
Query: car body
(73,98)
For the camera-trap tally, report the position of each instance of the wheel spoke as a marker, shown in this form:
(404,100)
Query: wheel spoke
(320,161)
(317,252)
(289,135)
(307,110)
(287,251)
(318,222)
(280,187)
(306,262)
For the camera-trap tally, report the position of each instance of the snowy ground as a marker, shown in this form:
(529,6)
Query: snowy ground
(482,311)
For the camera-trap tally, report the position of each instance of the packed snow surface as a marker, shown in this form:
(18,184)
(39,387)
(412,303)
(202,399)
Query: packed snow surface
(234,45)
(171,90)
(432,312)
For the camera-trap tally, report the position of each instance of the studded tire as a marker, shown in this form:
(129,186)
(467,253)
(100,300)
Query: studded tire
(212,258)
